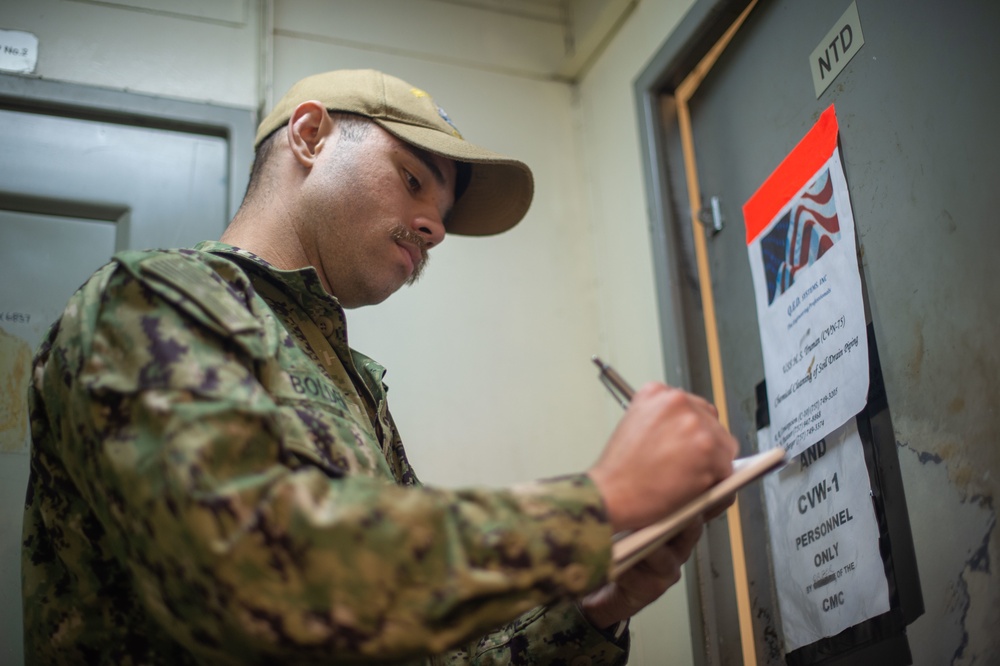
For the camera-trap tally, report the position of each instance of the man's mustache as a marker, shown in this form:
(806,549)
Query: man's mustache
(406,235)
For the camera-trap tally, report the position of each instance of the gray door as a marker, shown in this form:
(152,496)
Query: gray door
(73,190)
(918,137)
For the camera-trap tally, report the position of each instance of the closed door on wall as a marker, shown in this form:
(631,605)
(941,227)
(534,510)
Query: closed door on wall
(74,189)
(916,107)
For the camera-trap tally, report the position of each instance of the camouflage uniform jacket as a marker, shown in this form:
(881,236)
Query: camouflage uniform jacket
(205,489)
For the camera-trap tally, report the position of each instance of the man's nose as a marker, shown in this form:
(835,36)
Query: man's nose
(429,225)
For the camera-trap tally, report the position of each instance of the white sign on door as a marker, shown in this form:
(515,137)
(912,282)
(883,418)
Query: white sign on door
(828,570)
(807,286)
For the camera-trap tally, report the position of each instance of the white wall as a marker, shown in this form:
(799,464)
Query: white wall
(488,356)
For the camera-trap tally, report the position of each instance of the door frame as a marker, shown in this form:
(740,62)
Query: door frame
(234,124)
(683,338)
(718,574)
(663,167)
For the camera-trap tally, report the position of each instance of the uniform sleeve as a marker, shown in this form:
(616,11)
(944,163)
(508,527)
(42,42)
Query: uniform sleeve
(242,552)
(547,635)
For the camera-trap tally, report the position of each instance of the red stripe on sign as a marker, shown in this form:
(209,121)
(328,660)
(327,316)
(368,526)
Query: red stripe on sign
(792,174)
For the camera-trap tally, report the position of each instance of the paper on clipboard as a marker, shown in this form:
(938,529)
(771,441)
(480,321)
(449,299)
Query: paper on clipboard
(637,545)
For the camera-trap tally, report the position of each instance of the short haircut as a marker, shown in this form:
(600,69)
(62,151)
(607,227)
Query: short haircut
(353,128)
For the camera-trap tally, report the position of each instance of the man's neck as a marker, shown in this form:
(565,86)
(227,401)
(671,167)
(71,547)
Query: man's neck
(258,234)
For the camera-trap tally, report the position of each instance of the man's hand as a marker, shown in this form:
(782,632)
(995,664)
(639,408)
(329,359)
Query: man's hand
(642,584)
(668,448)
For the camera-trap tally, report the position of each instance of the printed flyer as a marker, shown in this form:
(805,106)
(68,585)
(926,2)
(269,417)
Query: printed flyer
(800,239)
(828,573)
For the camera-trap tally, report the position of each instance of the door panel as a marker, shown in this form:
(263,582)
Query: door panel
(45,258)
(175,183)
(72,192)
(919,147)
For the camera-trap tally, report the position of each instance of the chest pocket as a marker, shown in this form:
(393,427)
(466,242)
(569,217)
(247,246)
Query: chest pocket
(321,417)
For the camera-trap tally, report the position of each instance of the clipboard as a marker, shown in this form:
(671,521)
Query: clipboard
(636,546)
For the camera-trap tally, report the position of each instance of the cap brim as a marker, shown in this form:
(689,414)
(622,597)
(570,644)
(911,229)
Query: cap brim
(500,188)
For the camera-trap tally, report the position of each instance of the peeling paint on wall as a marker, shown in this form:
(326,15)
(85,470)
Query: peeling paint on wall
(956,542)
(983,609)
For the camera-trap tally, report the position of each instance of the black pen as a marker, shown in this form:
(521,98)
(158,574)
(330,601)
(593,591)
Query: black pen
(618,387)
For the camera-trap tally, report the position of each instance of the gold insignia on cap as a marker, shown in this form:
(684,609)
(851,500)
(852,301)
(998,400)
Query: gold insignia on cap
(417,92)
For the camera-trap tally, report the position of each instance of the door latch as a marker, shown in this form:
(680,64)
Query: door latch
(711,216)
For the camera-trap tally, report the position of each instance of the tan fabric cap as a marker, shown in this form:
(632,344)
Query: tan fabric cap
(500,188)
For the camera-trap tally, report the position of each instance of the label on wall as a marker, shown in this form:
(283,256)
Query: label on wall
(836,49)
(828,573)
(18,51)
(800,238)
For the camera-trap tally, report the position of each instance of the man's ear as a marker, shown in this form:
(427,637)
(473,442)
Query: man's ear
(309,127)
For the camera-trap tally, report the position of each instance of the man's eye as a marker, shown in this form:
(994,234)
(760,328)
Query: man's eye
(411,181)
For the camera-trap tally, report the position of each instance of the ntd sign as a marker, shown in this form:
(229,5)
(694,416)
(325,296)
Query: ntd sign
(836,49)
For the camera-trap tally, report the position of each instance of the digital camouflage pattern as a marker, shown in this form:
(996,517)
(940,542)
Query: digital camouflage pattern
(203,490)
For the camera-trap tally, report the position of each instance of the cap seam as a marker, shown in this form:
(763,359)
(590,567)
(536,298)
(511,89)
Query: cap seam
(384,110)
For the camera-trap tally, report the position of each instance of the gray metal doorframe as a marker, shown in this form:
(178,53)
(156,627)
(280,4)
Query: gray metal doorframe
(236,125)
(700,29)
(683,338)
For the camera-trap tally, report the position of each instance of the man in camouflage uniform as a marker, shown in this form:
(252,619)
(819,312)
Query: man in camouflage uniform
(215,475)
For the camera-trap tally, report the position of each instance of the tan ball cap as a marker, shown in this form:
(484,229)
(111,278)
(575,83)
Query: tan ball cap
(500,188)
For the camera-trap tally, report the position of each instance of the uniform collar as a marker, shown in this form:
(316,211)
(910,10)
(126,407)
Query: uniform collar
(301,284)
